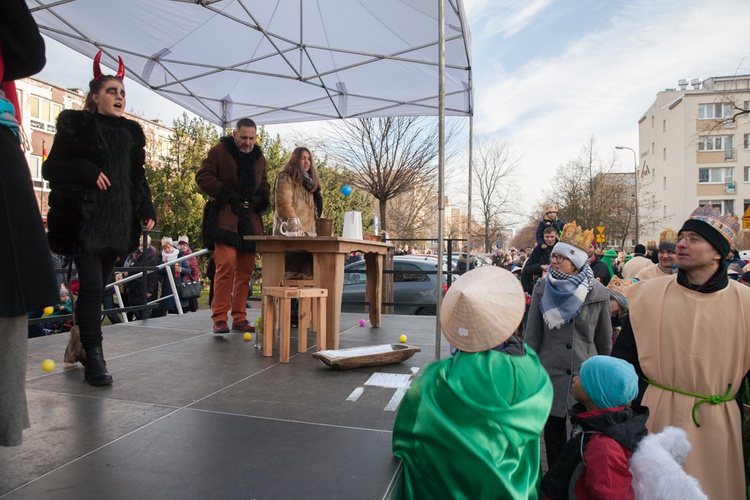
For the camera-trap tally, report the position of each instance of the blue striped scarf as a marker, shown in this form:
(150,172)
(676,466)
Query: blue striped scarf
(564,295)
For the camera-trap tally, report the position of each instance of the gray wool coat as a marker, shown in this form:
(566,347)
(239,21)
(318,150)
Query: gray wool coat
(562,351)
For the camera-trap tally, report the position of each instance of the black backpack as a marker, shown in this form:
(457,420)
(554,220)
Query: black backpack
(560,479)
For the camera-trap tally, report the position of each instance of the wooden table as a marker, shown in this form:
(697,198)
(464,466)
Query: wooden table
(329,258)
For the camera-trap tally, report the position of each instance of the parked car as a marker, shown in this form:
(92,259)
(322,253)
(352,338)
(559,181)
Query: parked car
(414,291)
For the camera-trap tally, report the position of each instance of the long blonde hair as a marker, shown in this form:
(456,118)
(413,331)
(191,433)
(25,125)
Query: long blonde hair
(294,169)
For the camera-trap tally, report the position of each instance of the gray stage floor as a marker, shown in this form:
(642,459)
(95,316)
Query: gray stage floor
(196,415)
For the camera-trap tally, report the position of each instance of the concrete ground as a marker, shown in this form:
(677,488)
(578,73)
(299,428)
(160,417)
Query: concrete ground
(197,415)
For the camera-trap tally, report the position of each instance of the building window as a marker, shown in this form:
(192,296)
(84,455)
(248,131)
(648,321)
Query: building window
(35,167)
(718,143)
(664,183)
(715,143)
(652,121)
(746,142)
(746,177)
(724,206)
(44,113)
(714,110)
(664,154)
(718,175)
(664,125)
(653,148)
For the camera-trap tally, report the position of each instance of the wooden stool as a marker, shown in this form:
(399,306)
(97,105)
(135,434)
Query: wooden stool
(282,296)
(304,309)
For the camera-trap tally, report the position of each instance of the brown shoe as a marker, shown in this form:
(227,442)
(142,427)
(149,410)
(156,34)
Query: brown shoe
(221,327)
(242,326)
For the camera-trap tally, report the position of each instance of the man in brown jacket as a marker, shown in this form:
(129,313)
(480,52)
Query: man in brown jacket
(234,176)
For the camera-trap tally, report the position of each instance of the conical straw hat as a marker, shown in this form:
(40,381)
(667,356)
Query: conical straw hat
(482,309)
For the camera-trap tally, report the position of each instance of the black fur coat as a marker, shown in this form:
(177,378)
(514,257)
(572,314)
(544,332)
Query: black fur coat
(81,217)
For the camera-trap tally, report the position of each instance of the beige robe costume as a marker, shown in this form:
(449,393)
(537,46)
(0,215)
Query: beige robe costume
(687,341)
(651,272)
(634,266)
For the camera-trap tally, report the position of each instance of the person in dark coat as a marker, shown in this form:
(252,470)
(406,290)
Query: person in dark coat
(538,262)
(550,219)
(99,197)
(600,269)
(135,287)
(233,175)
(29,282)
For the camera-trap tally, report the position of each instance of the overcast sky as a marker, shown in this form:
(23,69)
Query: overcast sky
(549,74)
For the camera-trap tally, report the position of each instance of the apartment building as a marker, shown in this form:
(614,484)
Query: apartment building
(694,149)
(40,104)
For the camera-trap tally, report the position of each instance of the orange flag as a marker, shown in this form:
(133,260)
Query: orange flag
(44,151)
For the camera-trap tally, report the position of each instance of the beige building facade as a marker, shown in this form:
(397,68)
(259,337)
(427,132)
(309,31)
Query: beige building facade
(694,149)
(41,103)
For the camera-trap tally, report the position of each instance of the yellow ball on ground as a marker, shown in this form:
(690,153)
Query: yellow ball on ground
(248,336)
(48,310)
(402,339)
(48,365)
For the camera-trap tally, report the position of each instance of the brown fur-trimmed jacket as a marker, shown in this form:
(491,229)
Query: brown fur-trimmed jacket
(293,200)
(239,191)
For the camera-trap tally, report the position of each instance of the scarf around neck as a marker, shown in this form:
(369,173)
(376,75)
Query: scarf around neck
(564,294)
(7,114)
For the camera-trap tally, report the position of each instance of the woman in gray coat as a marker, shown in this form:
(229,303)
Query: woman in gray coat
(569,321)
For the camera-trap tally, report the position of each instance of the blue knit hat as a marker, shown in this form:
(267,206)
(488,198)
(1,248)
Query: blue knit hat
(609,382)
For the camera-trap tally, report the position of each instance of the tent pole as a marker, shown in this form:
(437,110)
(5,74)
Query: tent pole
(468,203)
(441,167)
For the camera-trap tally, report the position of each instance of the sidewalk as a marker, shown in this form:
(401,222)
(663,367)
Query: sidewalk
(196,415)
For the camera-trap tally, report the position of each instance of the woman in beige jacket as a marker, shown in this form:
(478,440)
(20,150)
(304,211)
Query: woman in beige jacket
(297,192)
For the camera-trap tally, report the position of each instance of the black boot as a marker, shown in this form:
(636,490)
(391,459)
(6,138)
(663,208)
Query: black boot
(95,372)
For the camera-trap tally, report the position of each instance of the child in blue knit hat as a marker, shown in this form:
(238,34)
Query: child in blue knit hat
(606,431)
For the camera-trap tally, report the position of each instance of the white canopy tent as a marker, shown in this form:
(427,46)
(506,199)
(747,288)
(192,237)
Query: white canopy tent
(277,61)
(283,61)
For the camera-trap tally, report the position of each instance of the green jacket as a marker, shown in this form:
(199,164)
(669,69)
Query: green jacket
(469,427)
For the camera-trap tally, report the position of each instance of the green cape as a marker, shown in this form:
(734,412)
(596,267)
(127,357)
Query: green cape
(469,427)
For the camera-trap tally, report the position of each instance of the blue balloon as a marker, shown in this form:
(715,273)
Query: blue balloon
(346,190)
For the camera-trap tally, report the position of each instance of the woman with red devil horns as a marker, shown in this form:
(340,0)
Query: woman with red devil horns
(99,197)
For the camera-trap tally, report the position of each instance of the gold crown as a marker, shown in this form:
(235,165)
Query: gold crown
(651,244)
(572,234)
(727,224)
(619,286)
(551,207)
(668,236)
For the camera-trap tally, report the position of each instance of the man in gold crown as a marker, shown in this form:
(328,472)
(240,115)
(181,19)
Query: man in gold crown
(692,353)
(569,321)
(667,264)
(549,220)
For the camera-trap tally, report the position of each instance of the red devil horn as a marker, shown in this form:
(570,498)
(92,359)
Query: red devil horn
(121,70)
(97,68)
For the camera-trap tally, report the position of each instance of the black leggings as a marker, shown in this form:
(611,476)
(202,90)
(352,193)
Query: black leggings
(555,437)
(93,273)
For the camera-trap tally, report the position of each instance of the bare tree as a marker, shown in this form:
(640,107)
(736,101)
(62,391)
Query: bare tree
(590,192)
(493,169)
(413,214)
(387,156)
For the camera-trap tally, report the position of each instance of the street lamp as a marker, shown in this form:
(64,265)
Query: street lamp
(635,170)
